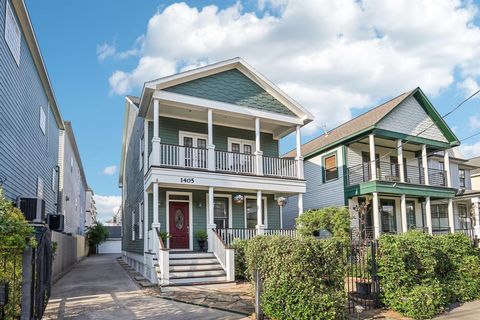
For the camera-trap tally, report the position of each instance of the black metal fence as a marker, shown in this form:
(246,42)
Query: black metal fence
(25,278)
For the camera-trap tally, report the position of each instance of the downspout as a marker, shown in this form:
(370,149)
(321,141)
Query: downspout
(59,196)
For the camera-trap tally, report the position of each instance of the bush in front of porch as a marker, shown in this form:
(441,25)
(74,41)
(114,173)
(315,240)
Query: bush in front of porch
(303,278)
(335,220)
(420,274)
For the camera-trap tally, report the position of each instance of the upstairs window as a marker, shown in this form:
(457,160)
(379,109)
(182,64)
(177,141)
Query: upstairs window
(330,167)
(12,33)
(461,176)
(140,220)
(142,153)
(43,121)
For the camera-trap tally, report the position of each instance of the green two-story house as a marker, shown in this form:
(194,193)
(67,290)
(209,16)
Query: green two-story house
(200,154)
(394,168)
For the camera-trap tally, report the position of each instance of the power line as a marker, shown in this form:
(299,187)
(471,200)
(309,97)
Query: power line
(473,135)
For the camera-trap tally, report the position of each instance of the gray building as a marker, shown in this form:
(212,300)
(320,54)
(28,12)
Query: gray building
(30,120)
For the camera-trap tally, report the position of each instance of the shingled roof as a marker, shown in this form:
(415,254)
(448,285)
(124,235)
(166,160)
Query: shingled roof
(476,163)
(358,124)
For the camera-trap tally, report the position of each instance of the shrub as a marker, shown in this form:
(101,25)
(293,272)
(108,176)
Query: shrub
(336,220)
(96,234)
(421,274)
(240,263)
(302,278)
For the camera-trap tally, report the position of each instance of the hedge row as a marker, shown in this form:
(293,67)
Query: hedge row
(420,274)
(302,278)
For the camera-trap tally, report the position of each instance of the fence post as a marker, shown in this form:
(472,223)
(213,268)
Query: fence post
(375,282)
(258,293)
(27,285)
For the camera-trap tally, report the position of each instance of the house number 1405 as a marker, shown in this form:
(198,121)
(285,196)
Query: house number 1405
(187,180)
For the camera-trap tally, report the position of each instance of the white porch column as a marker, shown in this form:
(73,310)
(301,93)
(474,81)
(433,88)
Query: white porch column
(299,157)
(300,203)
(476,215)
(403,207)
(401,165)
(428,215)
(425,164)
(446,165)
(155,223)
(156,137)
(376,215)
(258,152)
(145,147)
(210,222)
(451,220)
(373,159)
(145,221)
(210,146)
(260,225)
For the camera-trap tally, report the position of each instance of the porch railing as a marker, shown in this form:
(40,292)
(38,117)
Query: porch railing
(163,255)
(387,171)
(228,235)
(234,162)
(184,157)
(224,254)
(280,167)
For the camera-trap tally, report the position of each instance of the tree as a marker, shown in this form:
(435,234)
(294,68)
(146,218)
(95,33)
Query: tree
(96,234)
(14,229)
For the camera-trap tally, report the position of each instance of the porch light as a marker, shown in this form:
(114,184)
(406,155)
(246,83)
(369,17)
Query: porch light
(200,204)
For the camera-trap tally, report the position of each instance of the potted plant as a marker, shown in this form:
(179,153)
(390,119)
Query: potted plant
(164,236)
(202,237)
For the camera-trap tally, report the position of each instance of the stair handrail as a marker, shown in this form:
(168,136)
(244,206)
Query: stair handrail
(224,254)
(163,257)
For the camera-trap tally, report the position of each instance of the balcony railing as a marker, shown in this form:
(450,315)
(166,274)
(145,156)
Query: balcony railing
(234,162)
(387,171)
(229,235)
(225,161)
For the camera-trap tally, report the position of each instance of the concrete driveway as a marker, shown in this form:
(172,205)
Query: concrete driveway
(98,288)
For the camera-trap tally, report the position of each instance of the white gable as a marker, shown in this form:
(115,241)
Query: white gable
(410,118)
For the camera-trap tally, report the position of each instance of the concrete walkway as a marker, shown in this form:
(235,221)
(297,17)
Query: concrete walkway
(98,288)
(467,311)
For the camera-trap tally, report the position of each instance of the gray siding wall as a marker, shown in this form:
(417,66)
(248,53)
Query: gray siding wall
(134,190)
(410,118)
(319,194)
(169,133)
(25,152)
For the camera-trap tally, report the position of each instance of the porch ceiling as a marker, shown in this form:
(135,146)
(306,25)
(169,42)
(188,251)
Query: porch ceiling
(391,143)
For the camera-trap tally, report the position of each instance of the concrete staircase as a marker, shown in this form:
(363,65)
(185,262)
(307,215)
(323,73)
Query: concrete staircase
(195,268)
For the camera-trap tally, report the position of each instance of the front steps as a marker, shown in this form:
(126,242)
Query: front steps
(195,268)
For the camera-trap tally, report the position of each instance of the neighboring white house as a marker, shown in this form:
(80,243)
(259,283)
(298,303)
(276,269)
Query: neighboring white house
(72,183)
(475,173)
(91,208)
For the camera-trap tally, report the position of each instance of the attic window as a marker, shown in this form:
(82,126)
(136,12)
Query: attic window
(12,33)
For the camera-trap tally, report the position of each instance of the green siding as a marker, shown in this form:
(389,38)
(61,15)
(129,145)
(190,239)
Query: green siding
(169,133)
(234,87)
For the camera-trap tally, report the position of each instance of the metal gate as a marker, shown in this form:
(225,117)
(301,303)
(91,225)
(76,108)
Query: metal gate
(361,280)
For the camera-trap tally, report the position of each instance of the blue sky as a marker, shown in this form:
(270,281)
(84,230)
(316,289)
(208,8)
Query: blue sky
(338,59)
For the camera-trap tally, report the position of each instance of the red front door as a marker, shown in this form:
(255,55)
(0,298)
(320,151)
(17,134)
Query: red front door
(179,225)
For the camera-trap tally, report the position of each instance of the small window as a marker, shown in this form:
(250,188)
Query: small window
(12,33)
(140,220)
(142,152)
(330,165)
(133,225)
(461,175)
(71,164)
(54,179)
(43,121)
(40,188)
(221,212)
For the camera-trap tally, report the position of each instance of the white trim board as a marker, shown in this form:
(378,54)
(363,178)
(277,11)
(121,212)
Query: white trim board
(265,210)
(190,216)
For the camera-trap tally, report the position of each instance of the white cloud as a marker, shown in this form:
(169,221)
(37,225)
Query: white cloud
(107,206)
(469,86)
(331,56)
(105,50)
(110,170)
(474,122)
(470,150)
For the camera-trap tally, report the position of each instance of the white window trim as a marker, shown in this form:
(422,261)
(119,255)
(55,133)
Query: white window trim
(40,187)
(54,179)
(15,48)
(194,135)
(265,211)
(140,220)
(241,142)
(133,225)
(190,216)
(230,203)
